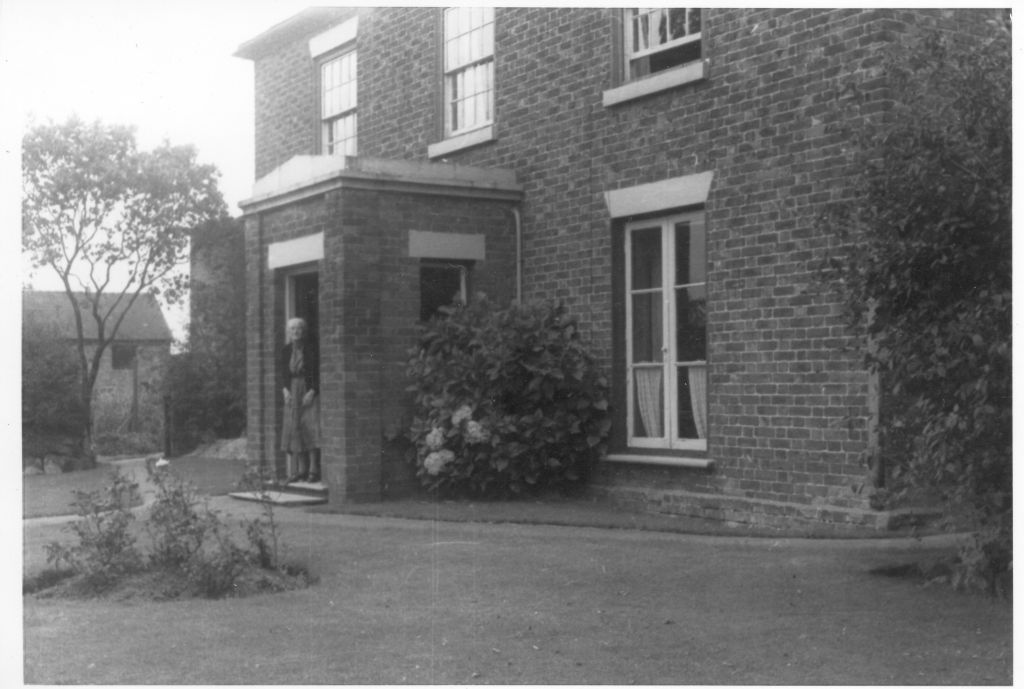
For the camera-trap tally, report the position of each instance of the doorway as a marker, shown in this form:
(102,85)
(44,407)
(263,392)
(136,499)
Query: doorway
(302,300)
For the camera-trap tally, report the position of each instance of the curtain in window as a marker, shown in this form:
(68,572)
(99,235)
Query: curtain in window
(648,398)
(698,378)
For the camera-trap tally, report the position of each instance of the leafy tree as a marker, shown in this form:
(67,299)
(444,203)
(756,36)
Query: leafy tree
(926,269)
(206,383)
(110,219)
(49,370)
(207,397)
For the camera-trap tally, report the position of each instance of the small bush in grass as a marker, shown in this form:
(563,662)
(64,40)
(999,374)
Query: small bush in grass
(179,521)
(507,401)
(215,573)
(106,549)
(985,564)
(191,549)
(262,531)
(190,537)
(45,579)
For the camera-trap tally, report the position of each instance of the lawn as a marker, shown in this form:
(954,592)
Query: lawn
(403,601)
(212,476)
(430,601)
(48,495)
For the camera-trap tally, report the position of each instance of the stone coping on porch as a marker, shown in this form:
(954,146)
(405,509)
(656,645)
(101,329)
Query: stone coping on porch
(308,175)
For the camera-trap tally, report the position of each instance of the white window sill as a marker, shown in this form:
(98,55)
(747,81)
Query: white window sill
(662,460)
(695,71)
(461,141)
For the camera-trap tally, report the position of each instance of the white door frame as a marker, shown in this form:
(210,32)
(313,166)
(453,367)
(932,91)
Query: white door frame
(670,366)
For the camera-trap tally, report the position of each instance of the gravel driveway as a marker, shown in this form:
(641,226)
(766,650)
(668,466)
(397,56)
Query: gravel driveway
(412,601)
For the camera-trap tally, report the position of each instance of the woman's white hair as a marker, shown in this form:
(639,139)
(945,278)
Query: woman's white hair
(290,323)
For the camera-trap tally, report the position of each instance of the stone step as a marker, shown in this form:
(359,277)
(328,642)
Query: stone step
(280,497)
(318,489)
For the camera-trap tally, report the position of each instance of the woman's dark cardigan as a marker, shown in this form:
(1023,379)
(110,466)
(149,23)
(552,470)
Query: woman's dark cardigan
(311,357)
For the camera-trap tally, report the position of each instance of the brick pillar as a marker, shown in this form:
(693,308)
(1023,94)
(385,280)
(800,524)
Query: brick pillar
(256,427)
(350,341)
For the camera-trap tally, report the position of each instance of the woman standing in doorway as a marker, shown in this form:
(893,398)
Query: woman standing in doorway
(300,435)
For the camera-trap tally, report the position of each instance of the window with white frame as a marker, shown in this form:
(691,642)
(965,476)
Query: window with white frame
(666,332)
(468,69)
(338,95)
(660,38)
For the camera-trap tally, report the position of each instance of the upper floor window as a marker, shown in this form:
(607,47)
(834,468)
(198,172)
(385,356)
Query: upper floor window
(661,38)
(662,48)
(338,104)
(468,68)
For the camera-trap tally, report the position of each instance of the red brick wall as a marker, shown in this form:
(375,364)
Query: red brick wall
(787,402)
(286,107)
(369,308)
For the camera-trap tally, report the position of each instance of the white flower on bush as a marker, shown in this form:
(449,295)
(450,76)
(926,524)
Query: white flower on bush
(436,461)
(435,439)
(476,433)
(463,413)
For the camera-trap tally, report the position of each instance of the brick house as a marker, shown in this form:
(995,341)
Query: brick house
(128,395)
(658,170)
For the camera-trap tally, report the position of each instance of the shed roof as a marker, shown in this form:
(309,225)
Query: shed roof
(308,22)
(144,322)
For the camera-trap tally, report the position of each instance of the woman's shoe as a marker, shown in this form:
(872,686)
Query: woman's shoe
(313,478)
(295,478)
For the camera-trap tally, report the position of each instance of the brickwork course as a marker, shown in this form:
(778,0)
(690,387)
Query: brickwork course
(789,403)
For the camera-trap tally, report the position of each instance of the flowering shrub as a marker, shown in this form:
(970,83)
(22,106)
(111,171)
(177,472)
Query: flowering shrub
(507,401)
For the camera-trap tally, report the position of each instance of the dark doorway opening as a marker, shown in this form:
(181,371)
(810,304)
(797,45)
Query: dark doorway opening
(306,302)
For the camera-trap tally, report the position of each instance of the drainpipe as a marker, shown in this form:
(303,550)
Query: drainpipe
(266,456)
(517,217)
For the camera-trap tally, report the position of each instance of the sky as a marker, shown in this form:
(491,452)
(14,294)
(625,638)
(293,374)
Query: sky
(166,68)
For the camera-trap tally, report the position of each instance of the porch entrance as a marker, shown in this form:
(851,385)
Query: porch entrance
(302,300)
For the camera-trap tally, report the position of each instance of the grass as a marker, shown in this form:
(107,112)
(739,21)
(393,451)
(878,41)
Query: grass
(210,476)
(432,602)
(47,495)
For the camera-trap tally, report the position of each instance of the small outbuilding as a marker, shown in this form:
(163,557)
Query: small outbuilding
(128,395)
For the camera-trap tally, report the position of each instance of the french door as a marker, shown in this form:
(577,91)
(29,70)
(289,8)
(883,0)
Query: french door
(666,336)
